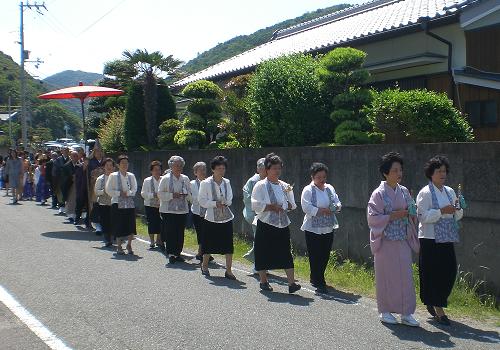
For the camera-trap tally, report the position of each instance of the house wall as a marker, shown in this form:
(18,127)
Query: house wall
(353,172)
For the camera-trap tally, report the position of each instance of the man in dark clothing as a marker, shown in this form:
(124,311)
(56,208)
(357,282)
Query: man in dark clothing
(57,174)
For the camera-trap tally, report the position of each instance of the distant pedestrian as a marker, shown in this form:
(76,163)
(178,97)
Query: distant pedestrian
(14,171)
(103,205)
(200,173)
(149,192)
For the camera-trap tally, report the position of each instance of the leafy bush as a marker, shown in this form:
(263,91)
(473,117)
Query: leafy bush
(203,106)
(186,138)
(194,122)
(168,129)
(285,105)
(135,127)
(111,133)
(342,76)
(202,89)
(418,116)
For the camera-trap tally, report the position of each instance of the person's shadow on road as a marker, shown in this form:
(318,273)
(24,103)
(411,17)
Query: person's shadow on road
(224,282)
(73,235)
(442,337)
(282,298)
(126,257)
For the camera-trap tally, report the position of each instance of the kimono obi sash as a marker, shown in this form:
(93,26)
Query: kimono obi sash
(105,198)
(177,204)
(220,214)
(324,220)
(446,229)
(277,219)
(396,230)
(124,202)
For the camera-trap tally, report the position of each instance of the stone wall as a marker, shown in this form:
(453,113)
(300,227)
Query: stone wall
(354,174)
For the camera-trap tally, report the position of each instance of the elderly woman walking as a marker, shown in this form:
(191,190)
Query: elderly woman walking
(393,235)
(149,192)
(122,187)
(174,193)
(438,210)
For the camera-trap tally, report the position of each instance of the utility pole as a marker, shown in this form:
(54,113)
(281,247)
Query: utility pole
(24,55)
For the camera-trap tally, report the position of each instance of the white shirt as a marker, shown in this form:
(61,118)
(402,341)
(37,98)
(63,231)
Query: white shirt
(195,205)
(205,197)
(428,216)
(129,187)
(146,192)
(260,199)
(322,201)
(166,194)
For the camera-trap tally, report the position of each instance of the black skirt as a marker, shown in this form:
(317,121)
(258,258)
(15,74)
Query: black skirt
(123,221)
(105,221)
(437,271)
(172,232)
(198,227)
(272,247)
(217,238)
(154,220)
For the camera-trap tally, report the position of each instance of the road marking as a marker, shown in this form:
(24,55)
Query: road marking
(49,338)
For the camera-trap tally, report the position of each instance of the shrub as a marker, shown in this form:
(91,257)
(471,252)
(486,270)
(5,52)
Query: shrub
(111,132)
(168,129)
(186,138)
(194,122)
(202,89)
(285,105)
(342,76)
(135,127)
(418,116)
(203,107)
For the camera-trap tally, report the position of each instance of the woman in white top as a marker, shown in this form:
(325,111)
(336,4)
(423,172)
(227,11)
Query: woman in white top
(438,211)
(200,172)
(103,204)
(149,192)
(271,200)
(319,203)
(216,196)
(122,187)
(174,194)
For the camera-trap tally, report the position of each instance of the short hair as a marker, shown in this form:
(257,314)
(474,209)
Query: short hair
(272,159)
(120,158)
(434,163)
(386,162)
(106,160)
(155,163)
(317,167)
(199,165)
(174,159)
(261,163)
(218,160)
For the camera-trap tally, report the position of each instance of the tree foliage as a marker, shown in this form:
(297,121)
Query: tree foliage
(285,104)
(342,82)
(135,130)
(168,129)
(418,116)
(111,133)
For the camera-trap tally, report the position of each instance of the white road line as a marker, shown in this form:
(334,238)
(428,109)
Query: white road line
(49,338)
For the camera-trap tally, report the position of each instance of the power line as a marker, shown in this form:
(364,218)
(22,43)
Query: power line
(100,18)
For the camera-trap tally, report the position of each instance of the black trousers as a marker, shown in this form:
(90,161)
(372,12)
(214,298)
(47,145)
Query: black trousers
(82,203)
(437,271)
(318,249)
(172,232)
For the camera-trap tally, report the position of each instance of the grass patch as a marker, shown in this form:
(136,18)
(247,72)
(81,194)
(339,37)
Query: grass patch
(465,299)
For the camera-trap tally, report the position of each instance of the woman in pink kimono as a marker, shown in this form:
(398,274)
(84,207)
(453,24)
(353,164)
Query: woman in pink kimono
(393,236)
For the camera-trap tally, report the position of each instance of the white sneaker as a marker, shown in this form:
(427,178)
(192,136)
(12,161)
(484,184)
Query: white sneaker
(409,320)
(387,317)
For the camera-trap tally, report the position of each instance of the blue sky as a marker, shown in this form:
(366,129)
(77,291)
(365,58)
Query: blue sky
(84,34)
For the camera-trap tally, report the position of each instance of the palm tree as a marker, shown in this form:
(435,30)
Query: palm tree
(146,67)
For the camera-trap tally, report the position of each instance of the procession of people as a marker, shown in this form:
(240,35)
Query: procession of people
(399,226)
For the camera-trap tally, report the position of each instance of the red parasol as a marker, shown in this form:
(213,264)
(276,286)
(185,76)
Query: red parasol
(81,92)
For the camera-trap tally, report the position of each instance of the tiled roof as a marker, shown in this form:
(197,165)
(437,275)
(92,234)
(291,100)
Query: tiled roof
(356,22)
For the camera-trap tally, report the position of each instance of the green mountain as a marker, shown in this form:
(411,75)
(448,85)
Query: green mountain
(243,43)
(46,118)
(72,77)
(69,78)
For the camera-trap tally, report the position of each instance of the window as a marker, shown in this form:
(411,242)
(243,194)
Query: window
(482,113)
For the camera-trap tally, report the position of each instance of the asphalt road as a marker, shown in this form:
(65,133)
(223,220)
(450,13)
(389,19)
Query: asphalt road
(91,299)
